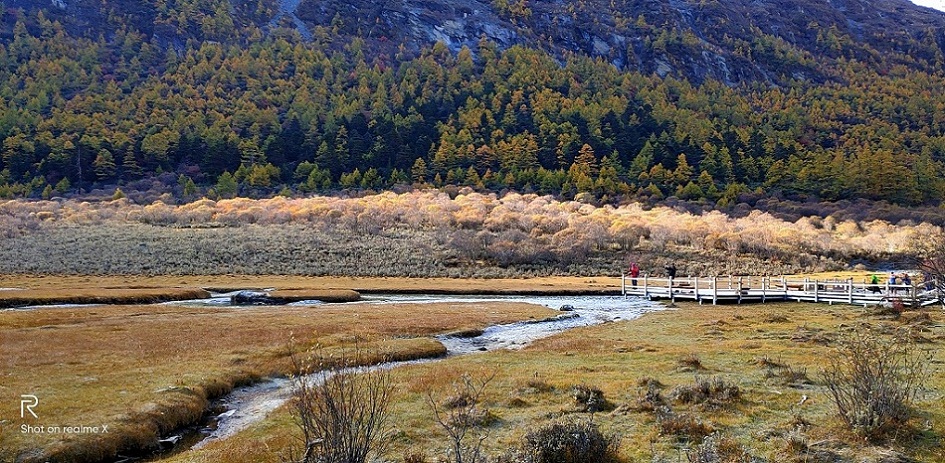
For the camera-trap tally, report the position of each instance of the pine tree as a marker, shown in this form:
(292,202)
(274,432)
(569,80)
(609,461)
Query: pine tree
(226,186)
(104,165)
(419,171)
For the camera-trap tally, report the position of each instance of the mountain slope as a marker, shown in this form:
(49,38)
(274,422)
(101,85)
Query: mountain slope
(733,41)
(200,100)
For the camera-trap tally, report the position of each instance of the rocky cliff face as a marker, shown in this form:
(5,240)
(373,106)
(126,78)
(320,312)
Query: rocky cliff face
(733,41)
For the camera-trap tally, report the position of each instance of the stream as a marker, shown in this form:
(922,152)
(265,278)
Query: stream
(248,405)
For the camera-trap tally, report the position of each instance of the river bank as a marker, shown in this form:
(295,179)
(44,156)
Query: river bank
(772,354)
(146,370)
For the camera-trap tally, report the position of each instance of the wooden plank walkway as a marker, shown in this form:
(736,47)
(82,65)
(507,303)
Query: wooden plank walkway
(756,289)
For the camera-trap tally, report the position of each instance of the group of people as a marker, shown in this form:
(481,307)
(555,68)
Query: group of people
(896,282)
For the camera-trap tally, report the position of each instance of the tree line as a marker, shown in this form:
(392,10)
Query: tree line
(276,114)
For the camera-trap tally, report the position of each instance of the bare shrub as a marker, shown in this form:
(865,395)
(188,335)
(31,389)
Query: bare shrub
(682,425)
(564,442)
(717,448)
(461,414)
(874,381)
(650,401)
(342,411)
(589,399)
(690,362)
(713,392)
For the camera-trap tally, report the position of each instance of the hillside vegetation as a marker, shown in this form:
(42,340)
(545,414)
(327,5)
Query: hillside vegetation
(275,113)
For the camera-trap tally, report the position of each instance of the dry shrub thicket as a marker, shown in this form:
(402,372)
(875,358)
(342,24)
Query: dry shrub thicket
(463,417)
(423,233)
(342,412)
(874,381)
(564,442)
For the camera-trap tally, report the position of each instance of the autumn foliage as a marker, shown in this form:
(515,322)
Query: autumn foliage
(424,233)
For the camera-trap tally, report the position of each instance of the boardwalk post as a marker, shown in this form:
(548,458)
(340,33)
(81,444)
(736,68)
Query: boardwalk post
(623,284)
(715,290)
(764,281)
(816,291)
(915,302)
(729,282)
(696,286)
(646,292)
(672,297)
(739,290)
(850,290)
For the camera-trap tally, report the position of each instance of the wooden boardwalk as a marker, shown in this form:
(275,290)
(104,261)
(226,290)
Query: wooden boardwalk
(755,289)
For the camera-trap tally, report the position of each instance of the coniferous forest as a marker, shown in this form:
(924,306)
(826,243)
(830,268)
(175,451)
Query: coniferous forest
(273,113)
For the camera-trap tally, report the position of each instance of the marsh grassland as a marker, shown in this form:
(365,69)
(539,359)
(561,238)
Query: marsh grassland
(147,369)
(750,376)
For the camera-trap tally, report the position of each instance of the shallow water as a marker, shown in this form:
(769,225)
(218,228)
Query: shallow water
(588,310)
(248,405)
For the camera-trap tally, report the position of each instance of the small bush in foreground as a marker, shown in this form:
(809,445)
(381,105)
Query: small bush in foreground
(342,412)
(874,381)
(462,414)
(590,399)
(682,426)
(713,392)
(564,442)
(716,448)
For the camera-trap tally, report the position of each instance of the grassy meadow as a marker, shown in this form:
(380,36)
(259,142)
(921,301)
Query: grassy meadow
(146,370)
(771,354)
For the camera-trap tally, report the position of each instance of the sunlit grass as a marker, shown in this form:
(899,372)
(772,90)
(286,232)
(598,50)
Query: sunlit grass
(146,370)
(738,344)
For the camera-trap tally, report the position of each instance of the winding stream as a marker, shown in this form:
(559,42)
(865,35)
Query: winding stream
(248,405)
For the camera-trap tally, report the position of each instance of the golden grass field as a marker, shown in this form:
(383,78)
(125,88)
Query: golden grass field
(145,370)
(772,420)
(295,282)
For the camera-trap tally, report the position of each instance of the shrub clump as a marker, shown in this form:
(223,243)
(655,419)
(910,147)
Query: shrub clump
(564,442)
(713,392)
(590,399)
(682,425)
(690,362)
(873,381)
(717,448)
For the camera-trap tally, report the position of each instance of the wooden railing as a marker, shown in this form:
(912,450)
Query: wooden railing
(765,288)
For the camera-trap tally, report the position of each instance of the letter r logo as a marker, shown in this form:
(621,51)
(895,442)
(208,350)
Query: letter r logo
(27,402)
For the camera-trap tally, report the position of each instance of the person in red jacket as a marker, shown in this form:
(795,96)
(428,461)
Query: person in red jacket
(634,273)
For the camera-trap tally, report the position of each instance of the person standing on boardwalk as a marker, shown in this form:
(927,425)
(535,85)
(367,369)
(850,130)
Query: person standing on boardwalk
(671,270)
(892,283)
(634,273)
(874,284)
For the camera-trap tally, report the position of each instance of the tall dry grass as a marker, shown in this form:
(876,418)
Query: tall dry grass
(425,233)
